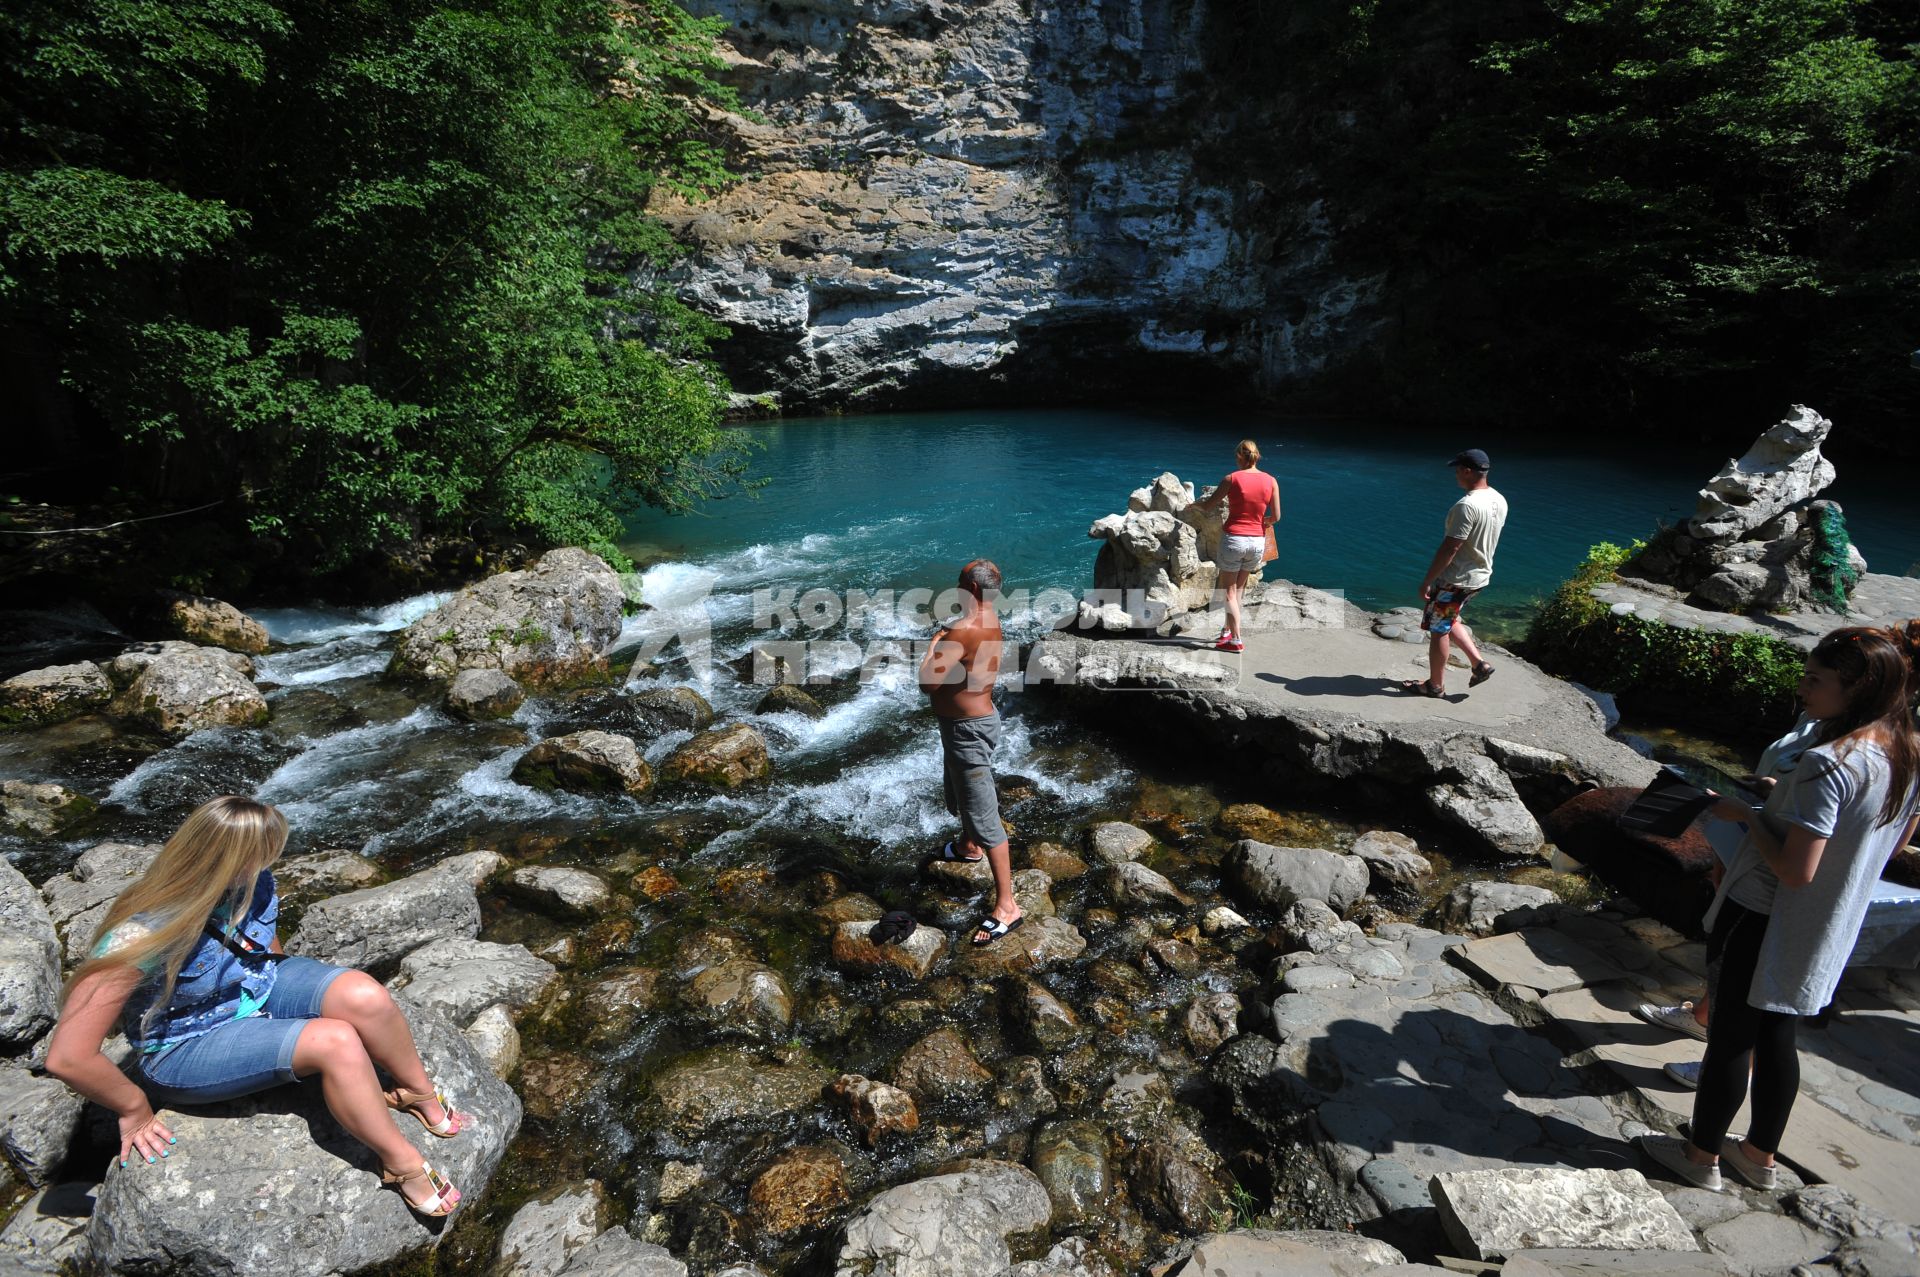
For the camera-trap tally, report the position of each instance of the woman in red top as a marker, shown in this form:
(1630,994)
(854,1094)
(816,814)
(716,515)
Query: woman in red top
(1253,506)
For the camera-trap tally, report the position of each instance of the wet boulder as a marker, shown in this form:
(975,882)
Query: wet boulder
(459,978)
(483,694)
(1209,1021)
(723,758)
(313,1198)
(1393,860)
(319,874)
(589,762)
(41,810)
(1136,886)
(39,698)
(550,625)
(667,709)
(1037,944)
(741,997)
(1070,1159)
(855,950)
(708,1089)
(874,1108)
(958,1222)
(1055,861)
(565,893)
(29,962)
(1115,841)
(78,899)
(800,1190)
(788,699)
(1176,1179)
(178,688)
(1042,1020)
(198,619)
(941,1067)
(1275,877)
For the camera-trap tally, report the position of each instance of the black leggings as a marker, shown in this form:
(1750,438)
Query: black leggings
(1740,1036)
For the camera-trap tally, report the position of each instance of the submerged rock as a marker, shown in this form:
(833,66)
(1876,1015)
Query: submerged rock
(550,625)
(724,758)
(874,1108)
(198,619)
(320,874)
(480,695)
(41,811)
(785,698)
(941,1067)
(1176,1179)
(40,698)
(178,688)
(946,1224)
(699,1092)
(672,708)
(1043,1021)
(1070,1159)
(801,1189)
(314,1203)
(741,997)
(589,762)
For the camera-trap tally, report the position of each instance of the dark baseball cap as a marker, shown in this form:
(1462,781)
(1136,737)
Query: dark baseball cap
(1472,457)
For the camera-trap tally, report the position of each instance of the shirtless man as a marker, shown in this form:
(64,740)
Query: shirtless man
(958,673)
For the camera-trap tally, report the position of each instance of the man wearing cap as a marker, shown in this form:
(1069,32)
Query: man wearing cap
(1461,568)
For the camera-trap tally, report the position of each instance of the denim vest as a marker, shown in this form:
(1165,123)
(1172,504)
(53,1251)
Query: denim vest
(215,984)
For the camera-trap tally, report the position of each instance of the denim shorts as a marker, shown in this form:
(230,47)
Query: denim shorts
(244,1056)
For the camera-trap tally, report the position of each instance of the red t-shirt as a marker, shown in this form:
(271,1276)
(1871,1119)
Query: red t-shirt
(1248,494)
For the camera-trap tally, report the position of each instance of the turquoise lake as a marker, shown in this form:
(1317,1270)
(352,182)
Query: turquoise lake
(902,499)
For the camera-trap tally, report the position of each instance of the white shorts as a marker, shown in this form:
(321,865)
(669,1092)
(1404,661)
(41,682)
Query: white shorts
(1242,554)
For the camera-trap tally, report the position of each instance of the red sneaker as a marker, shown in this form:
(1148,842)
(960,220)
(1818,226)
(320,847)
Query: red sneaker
(1227,642)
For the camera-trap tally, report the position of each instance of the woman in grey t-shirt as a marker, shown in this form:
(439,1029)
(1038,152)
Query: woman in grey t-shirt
(1791,903)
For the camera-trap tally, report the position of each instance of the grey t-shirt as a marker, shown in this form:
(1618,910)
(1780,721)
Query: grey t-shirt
(1835,794)
(1475,519)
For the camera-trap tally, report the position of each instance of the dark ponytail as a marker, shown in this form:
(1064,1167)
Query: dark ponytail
(1880,670)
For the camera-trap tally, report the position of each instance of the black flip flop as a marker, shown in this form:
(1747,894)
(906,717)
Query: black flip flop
(1481,674)
(948,853)
(995,929)
(893,928)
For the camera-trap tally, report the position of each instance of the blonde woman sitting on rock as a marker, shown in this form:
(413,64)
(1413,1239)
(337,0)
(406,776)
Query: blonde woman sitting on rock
(188,966)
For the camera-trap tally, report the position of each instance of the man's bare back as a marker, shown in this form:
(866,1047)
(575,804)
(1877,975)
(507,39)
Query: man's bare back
(961,665)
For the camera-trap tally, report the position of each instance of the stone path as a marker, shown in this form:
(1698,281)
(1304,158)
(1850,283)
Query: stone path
(1878,600)
(1421,1054)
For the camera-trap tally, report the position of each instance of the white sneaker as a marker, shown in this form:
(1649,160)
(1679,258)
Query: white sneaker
(1669,1152)
(1686,1073)
(1679,1019)
(1764,1178)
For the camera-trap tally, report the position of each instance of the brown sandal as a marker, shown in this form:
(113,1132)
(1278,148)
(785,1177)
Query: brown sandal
(445,1195)
(1424,686)
(401,1100)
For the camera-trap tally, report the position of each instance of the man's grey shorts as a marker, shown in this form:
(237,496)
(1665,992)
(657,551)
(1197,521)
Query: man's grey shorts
(966,755)
(1241,554)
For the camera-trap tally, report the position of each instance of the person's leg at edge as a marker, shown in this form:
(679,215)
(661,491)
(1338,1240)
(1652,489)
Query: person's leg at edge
(1437,647)
(1000,859)
(1733,951)
(1468,648)
(359,999)
(1236,583)
(333,1049)
(1776,1083)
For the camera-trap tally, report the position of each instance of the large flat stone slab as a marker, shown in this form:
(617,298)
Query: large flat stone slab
(1539,958)
(1494,1213)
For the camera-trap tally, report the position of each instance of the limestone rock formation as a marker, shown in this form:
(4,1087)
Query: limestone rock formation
(996,192)
(176,688)
(723,758)
(477,695)
(1489,1214)
(459,978)
(1156,561)
(1278,876)
(215,623)
(953,1223)
(29,962)
(1758,534)
(587,762)
(55,694)
(376,927)
(549,625)
(40,810)
(78,899)
(313,1197)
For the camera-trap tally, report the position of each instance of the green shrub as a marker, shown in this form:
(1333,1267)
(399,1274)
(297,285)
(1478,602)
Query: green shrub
(1739,682)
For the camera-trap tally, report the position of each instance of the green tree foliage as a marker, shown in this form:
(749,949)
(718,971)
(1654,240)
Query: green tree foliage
(1600,206)
(367,270)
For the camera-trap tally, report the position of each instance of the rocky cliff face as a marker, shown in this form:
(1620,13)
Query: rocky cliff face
(994,195)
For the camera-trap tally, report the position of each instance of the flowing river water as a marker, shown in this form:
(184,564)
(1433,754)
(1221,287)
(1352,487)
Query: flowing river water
(879,503)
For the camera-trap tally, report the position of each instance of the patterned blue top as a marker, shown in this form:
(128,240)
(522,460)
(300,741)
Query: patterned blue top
(215,984)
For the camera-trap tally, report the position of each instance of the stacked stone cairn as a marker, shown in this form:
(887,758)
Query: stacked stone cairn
(1156,562)
(1761,538)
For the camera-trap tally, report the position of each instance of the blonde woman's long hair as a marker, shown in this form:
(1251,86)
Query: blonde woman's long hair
(215,857)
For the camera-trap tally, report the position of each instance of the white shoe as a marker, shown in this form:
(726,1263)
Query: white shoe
(1686,1073)
(1670,1153)
(1677,1018)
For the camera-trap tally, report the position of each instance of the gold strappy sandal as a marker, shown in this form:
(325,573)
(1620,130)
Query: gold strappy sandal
(401,1100)
(445,1195)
